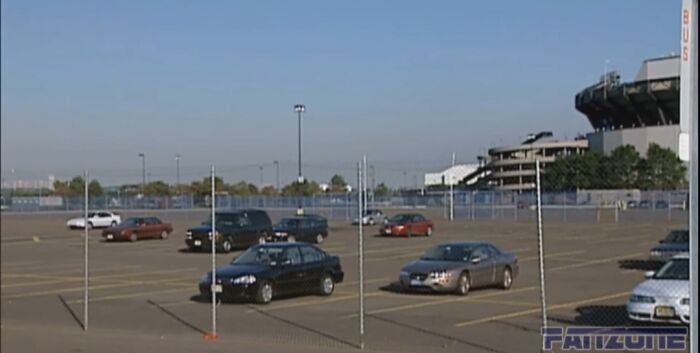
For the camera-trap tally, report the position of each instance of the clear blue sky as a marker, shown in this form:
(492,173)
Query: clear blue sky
(90,84)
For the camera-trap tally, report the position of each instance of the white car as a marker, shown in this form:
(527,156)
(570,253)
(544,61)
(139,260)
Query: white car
(99,219)
(371,217)
(665,295)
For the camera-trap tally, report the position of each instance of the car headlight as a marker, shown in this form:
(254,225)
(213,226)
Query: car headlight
(280,234)
(685,301)
(189,233)
(635,298)
(440,274)
(247,279)
(655,253)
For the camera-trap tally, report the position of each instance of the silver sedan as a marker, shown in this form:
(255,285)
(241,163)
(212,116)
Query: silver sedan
(458,267)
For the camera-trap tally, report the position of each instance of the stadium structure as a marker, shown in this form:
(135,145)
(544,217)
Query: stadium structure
(637,113)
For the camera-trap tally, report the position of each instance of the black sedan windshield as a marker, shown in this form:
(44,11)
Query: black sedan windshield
(268,256)
(447,253)
(677,236)
(674,269)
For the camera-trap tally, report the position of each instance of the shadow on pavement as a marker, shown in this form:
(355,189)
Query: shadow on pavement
(176,317)
(435,334)
(71,312)
(305,328)
(642,265)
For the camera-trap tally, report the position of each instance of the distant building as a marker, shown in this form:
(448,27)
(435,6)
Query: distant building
(635,113)
(458,172)
(513,167)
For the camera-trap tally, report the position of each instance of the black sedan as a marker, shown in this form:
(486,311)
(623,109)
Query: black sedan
(310,229)
(458,267)
(676,242)
(266,271)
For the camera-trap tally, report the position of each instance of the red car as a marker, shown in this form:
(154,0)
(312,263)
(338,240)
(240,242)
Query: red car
(406,225)
(137,228)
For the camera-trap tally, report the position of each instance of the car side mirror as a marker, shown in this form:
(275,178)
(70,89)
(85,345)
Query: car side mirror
(649,274)
(475,260)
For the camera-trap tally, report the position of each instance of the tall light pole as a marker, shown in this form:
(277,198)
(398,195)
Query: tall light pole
(277,174)
(143,173)
(261,176)
(299,108)
(177,179)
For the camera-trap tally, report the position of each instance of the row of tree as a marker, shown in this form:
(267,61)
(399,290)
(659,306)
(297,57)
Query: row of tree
(75,187)
(623,168)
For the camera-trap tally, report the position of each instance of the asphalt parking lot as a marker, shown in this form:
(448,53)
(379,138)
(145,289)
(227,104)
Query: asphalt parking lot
(144,294)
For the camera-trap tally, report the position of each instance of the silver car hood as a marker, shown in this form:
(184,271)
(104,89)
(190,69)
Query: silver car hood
(423,266)
(663,288)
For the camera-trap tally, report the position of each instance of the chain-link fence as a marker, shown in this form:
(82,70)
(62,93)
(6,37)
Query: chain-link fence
(586,206)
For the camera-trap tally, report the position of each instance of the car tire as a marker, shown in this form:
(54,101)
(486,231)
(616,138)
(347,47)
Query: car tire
(133,237)
(507,278)
(429,231)
(265,293)
(463,284)
(164,235)
(226,246)
(319,238)
(113,224)
(327,285)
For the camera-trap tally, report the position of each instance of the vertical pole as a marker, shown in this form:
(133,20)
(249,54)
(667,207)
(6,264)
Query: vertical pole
(689,133)
(277,176)
(373,186)
(213,335)
(364,182)
(360,188)
(452,189)
(143,174)
(540,246)
(87,262)
(668,202)
(177,185)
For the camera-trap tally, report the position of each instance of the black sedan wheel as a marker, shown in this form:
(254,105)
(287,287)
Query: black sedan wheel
(327,285)
(264,295)
(463,284)
(507,278)
(226,246)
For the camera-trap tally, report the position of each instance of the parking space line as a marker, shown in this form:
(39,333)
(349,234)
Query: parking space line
(593,262)
(122,284)
(444,301)
(506,302)
(315,302)
(132,295)
(537,310)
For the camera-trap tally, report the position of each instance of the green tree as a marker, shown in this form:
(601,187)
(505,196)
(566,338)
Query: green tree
(381,190)
(157,188)
(306,188)
(76,186)
(61,188)
(94,188)
(242,189)
(268,190)
(204,187)
(623,162)
(338,184)
(661,169)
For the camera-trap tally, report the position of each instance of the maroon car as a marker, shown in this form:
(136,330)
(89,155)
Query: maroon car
(406,225)
(136,228)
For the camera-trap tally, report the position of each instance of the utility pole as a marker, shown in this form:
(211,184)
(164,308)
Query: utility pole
(277,175)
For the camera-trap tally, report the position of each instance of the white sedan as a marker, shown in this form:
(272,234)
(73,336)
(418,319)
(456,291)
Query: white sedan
(665,295)
(98,219)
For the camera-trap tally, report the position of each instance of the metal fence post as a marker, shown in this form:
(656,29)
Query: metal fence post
(540,247)
(213,335)
(360,252)
(87,262)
